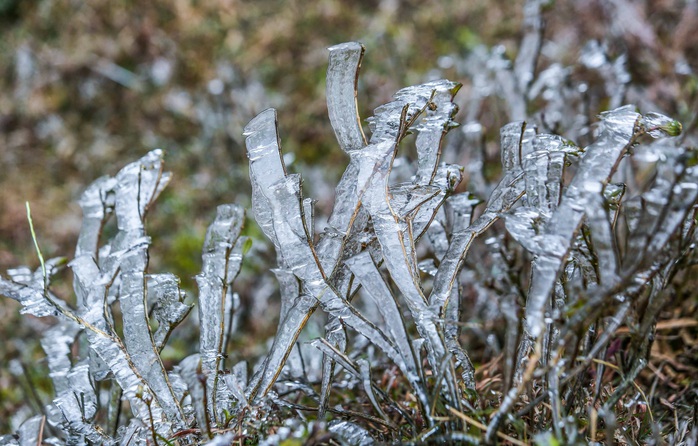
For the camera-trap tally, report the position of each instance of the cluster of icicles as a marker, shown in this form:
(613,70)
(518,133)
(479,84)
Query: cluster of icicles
(369,244)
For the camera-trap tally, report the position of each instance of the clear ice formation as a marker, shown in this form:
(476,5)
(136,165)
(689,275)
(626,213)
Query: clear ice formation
(618,131)
(363,192)
(221,262)
(106,272)
(373,246)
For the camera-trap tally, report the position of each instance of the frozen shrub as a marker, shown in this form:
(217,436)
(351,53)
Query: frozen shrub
(566,247)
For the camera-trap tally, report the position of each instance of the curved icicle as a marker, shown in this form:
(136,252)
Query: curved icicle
(342,78)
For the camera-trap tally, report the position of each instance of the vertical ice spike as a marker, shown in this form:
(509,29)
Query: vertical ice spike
(221,262)
(342,78)
(617,133)
(138,184)
(266,166)
(436,122)
(365,270)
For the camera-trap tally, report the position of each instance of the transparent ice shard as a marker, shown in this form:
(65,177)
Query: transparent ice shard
(451,334)
(288,331)
(459,210)
(289,288)
(365,370)
(134,362)
(298,253)
(511,137)
(397,245)
(266,166)
(617,132)
(473,135)
(602,241)
(190,371)
(342,78)
(524,225)
(370,278)
(75,394)
(31,290)
(267,170)
(97,203)
(237,381)
(57,343)
(395,234)
(359,369)
(31,431)
(407,198)
(543,170)
(348,433)
(33,300)
(507,192)
(664,208)
(447,178)
(436,122)
(437,236)
(169,307)
(101,339)
(78,405)
(221,262)
(308,209)
(138,184)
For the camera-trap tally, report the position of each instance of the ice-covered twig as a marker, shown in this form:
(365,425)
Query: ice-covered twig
(222,259)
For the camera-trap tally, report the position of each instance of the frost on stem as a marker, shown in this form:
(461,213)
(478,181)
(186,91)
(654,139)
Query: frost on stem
(399,235)
(617,133)
(221,262)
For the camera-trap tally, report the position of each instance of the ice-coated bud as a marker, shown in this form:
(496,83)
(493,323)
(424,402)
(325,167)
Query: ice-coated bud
(673,128)
(658,125)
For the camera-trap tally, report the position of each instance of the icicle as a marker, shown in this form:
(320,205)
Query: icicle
(349,433)
(617,132)
(433,127)
(507,192)
(266,166)
(138,184)
(169,307)
(97,203)
(370,278)
(222,259)
(190,371)
(31,431)
(342,78)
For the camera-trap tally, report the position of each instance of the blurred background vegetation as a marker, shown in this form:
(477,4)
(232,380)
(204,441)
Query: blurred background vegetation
(86,87)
